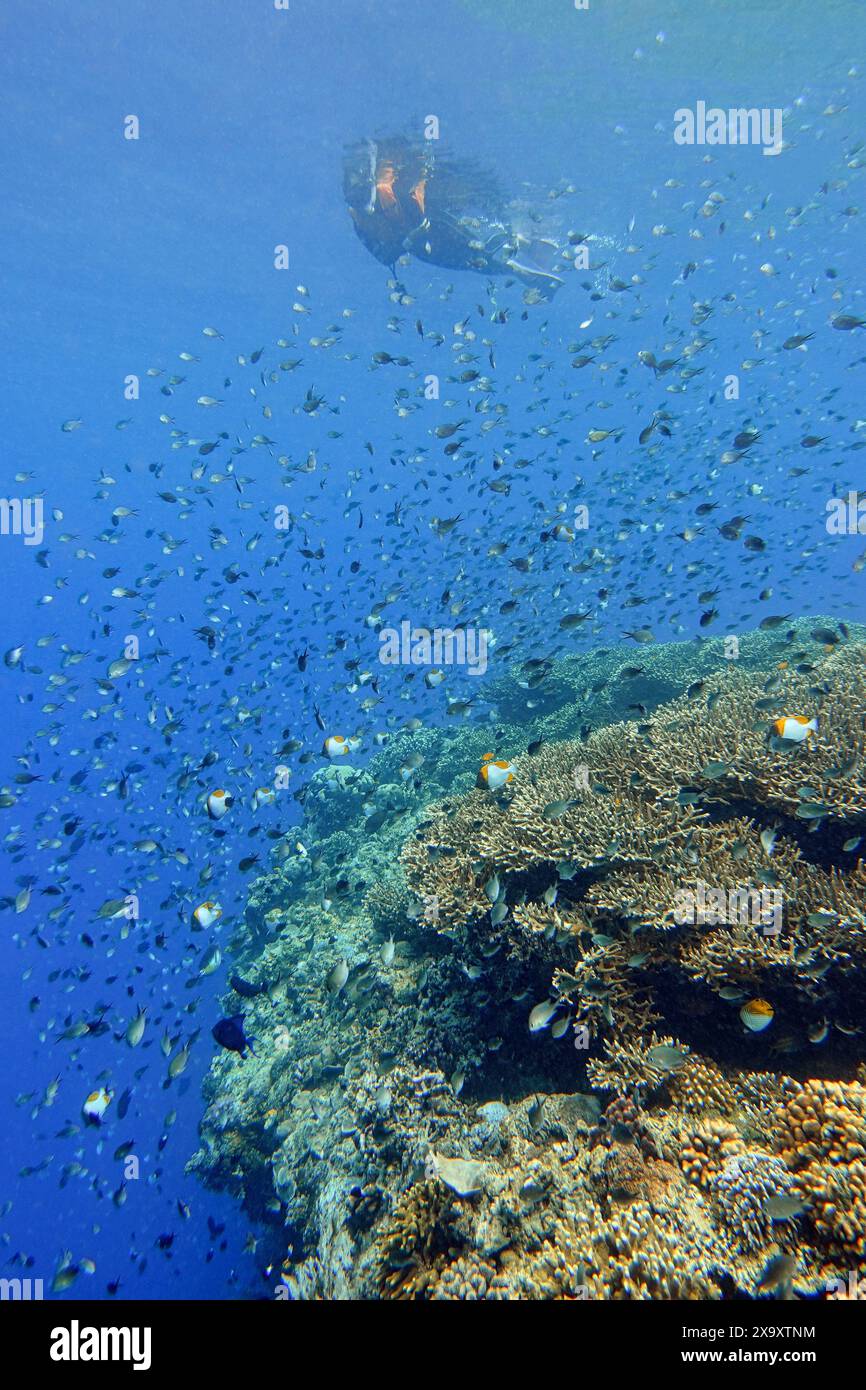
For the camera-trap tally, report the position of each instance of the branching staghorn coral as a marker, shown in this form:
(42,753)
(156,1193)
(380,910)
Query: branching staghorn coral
(629,1068)
(687,738)
(696,845)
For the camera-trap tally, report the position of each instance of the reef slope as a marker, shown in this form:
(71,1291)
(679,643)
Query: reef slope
(556,1082)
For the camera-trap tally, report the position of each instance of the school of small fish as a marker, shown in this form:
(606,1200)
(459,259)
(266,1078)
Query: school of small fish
(559,475)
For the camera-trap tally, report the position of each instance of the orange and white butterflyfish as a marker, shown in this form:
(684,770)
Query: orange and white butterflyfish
(263,796)
(757,1015)
(794,727)
(206,914)
(338,747)
(218,803)
(96,1105)
(495,773)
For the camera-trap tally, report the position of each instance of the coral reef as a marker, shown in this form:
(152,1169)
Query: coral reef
(679,852)
(821,1137)
(744,1188)
(539,1078)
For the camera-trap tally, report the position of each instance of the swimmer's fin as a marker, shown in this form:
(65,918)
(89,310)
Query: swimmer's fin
(543,280)
(533,262)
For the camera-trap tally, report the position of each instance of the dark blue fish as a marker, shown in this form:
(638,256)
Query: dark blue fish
(245,988)
(229,1033)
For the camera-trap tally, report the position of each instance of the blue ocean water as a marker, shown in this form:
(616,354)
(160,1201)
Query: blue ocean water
(118,252)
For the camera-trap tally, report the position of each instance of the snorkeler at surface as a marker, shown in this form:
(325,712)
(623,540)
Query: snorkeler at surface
(407,199)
